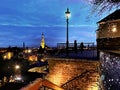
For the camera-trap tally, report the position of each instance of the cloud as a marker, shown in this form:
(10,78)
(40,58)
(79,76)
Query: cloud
(25,21)
(40,12)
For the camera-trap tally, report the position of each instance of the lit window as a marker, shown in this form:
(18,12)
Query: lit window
(114,28)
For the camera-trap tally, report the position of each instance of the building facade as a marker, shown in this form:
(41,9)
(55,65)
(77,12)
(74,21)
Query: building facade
(108,44)
(108,33)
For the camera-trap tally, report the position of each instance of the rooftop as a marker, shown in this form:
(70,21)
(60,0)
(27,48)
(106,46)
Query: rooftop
(113,16)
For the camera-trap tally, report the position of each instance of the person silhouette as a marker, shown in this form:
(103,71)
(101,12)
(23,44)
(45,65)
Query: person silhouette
(75,46)
(81,47)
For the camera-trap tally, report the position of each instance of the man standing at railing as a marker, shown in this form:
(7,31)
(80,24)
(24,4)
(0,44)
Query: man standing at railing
(81,47)
(75,46)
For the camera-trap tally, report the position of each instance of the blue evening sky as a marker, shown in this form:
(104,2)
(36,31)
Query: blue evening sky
(25,21)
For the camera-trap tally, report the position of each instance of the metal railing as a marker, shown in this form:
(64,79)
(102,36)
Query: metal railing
(89,45)
(88,51)
(71,84)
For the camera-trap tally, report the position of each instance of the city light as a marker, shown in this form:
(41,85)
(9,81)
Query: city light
(29,51)
(32,58)
(17,67)
(8,55)
(18,78)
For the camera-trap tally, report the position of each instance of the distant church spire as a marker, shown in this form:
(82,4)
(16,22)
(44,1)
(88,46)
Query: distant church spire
(23,45)
(42,44)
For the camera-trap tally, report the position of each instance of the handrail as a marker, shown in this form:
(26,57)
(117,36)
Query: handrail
(80,76)
(89,45)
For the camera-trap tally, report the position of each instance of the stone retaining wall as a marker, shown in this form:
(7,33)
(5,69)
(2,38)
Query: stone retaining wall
(63,70)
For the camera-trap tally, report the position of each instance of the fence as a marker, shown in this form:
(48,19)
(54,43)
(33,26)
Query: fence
(71,46)
(87,51)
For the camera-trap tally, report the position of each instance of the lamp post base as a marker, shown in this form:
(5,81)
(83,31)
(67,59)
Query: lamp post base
(67,50)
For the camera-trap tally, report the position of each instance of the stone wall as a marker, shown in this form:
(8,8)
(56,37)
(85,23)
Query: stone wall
(110,70)
(108,43)
(106,29)
(64,70)
(108,35)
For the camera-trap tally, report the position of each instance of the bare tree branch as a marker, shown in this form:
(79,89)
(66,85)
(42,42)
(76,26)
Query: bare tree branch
(101,6)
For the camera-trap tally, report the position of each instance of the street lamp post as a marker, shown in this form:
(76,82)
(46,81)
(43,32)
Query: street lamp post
(67,41)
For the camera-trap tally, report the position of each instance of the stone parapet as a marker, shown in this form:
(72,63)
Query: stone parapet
(108,43)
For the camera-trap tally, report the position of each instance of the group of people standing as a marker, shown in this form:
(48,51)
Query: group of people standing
(81,47)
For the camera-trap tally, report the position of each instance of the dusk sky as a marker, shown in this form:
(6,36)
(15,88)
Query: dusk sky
(26,20)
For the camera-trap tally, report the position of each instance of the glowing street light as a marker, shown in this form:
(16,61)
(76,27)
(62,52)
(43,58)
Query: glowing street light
(17,67)
(67,14)
(67,41)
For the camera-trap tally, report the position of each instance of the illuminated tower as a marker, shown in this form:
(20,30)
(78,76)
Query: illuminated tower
(42,44)
(41,50)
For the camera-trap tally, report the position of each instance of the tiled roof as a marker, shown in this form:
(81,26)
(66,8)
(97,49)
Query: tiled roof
(113,16)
